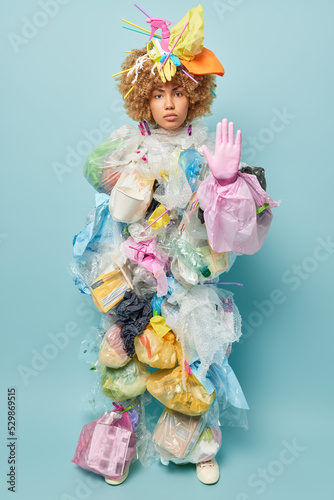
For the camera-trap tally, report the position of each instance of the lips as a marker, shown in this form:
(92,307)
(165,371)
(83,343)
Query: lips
(170,116)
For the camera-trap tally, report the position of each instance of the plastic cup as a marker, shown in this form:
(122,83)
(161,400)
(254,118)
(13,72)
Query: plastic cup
(126,203)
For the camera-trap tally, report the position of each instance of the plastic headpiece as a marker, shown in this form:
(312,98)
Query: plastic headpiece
(183,44)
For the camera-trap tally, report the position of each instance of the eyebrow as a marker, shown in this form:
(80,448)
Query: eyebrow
(162,90)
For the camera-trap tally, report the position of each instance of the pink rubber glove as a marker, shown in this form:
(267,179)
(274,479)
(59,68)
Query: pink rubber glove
(224,163)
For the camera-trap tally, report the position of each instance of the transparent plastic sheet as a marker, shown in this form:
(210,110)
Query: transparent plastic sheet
(107,161)
(127,382)
(93,246)
(156,351)
(161,142)
(112,352)
(90,346)
(203,328)
(174,190)
(182,393)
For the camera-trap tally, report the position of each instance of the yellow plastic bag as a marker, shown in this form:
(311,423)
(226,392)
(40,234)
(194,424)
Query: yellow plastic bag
(156,351)
(185,396)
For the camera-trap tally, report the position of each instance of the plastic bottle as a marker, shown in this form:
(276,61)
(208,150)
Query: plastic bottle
(183,250)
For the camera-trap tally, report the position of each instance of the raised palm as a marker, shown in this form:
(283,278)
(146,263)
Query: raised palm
(224,163)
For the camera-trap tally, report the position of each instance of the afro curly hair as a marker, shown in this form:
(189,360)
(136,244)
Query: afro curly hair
(137,101)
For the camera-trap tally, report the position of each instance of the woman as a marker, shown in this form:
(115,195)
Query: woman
(184,207)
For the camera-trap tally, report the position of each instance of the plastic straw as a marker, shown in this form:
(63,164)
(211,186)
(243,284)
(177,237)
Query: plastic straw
(193,79)
(124,71)
(136,26)
(142,32)
(171,50)
(137,250)
(126,95)
(141,10)
(221,283)
(157,219)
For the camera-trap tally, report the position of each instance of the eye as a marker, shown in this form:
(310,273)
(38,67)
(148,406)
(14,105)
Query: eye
(157,96)
(179,94)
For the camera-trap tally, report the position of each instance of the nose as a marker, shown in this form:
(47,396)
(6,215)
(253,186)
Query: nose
(169,101)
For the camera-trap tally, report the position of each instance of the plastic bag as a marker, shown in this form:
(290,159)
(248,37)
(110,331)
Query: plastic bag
(107,161)
(107,445)
(176,434)
(155,351)
(205,327)
(230,212)
(186,396)
(126,382)
(112,353)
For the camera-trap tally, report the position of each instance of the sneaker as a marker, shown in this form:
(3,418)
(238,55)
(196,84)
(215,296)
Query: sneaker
(120,480)
(208,472)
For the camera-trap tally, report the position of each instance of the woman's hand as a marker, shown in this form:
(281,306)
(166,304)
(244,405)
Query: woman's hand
(224,163)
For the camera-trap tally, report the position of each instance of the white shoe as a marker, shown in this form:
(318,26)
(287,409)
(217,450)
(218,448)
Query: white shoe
(208,472)
(120,480)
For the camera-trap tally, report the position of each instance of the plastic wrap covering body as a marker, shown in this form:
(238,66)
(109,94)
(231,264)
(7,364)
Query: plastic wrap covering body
(106,446)
(172,264)
(124,383)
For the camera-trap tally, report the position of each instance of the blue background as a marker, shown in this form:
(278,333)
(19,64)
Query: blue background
(56,89)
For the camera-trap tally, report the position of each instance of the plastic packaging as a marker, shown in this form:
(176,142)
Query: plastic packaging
(155,351)
(112,353)
(126,382)
(132,194)
(109,288)
(176,434)
(184,394)
(106,446)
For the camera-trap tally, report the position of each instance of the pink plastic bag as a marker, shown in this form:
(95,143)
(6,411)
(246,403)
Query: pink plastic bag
(107,445)
(145,254)
(230,213)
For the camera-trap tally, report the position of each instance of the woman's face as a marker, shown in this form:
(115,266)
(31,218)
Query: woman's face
(169,105)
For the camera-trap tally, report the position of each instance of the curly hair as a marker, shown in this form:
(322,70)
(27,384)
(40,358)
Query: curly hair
(137,102)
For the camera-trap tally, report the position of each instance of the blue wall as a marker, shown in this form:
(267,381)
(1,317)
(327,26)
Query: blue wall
(58,99)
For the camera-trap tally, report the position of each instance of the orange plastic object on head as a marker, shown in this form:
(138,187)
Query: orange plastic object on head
(205,63)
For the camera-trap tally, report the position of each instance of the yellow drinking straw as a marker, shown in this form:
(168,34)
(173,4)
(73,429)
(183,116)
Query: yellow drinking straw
(136,26)
(126,95)
(124,71)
